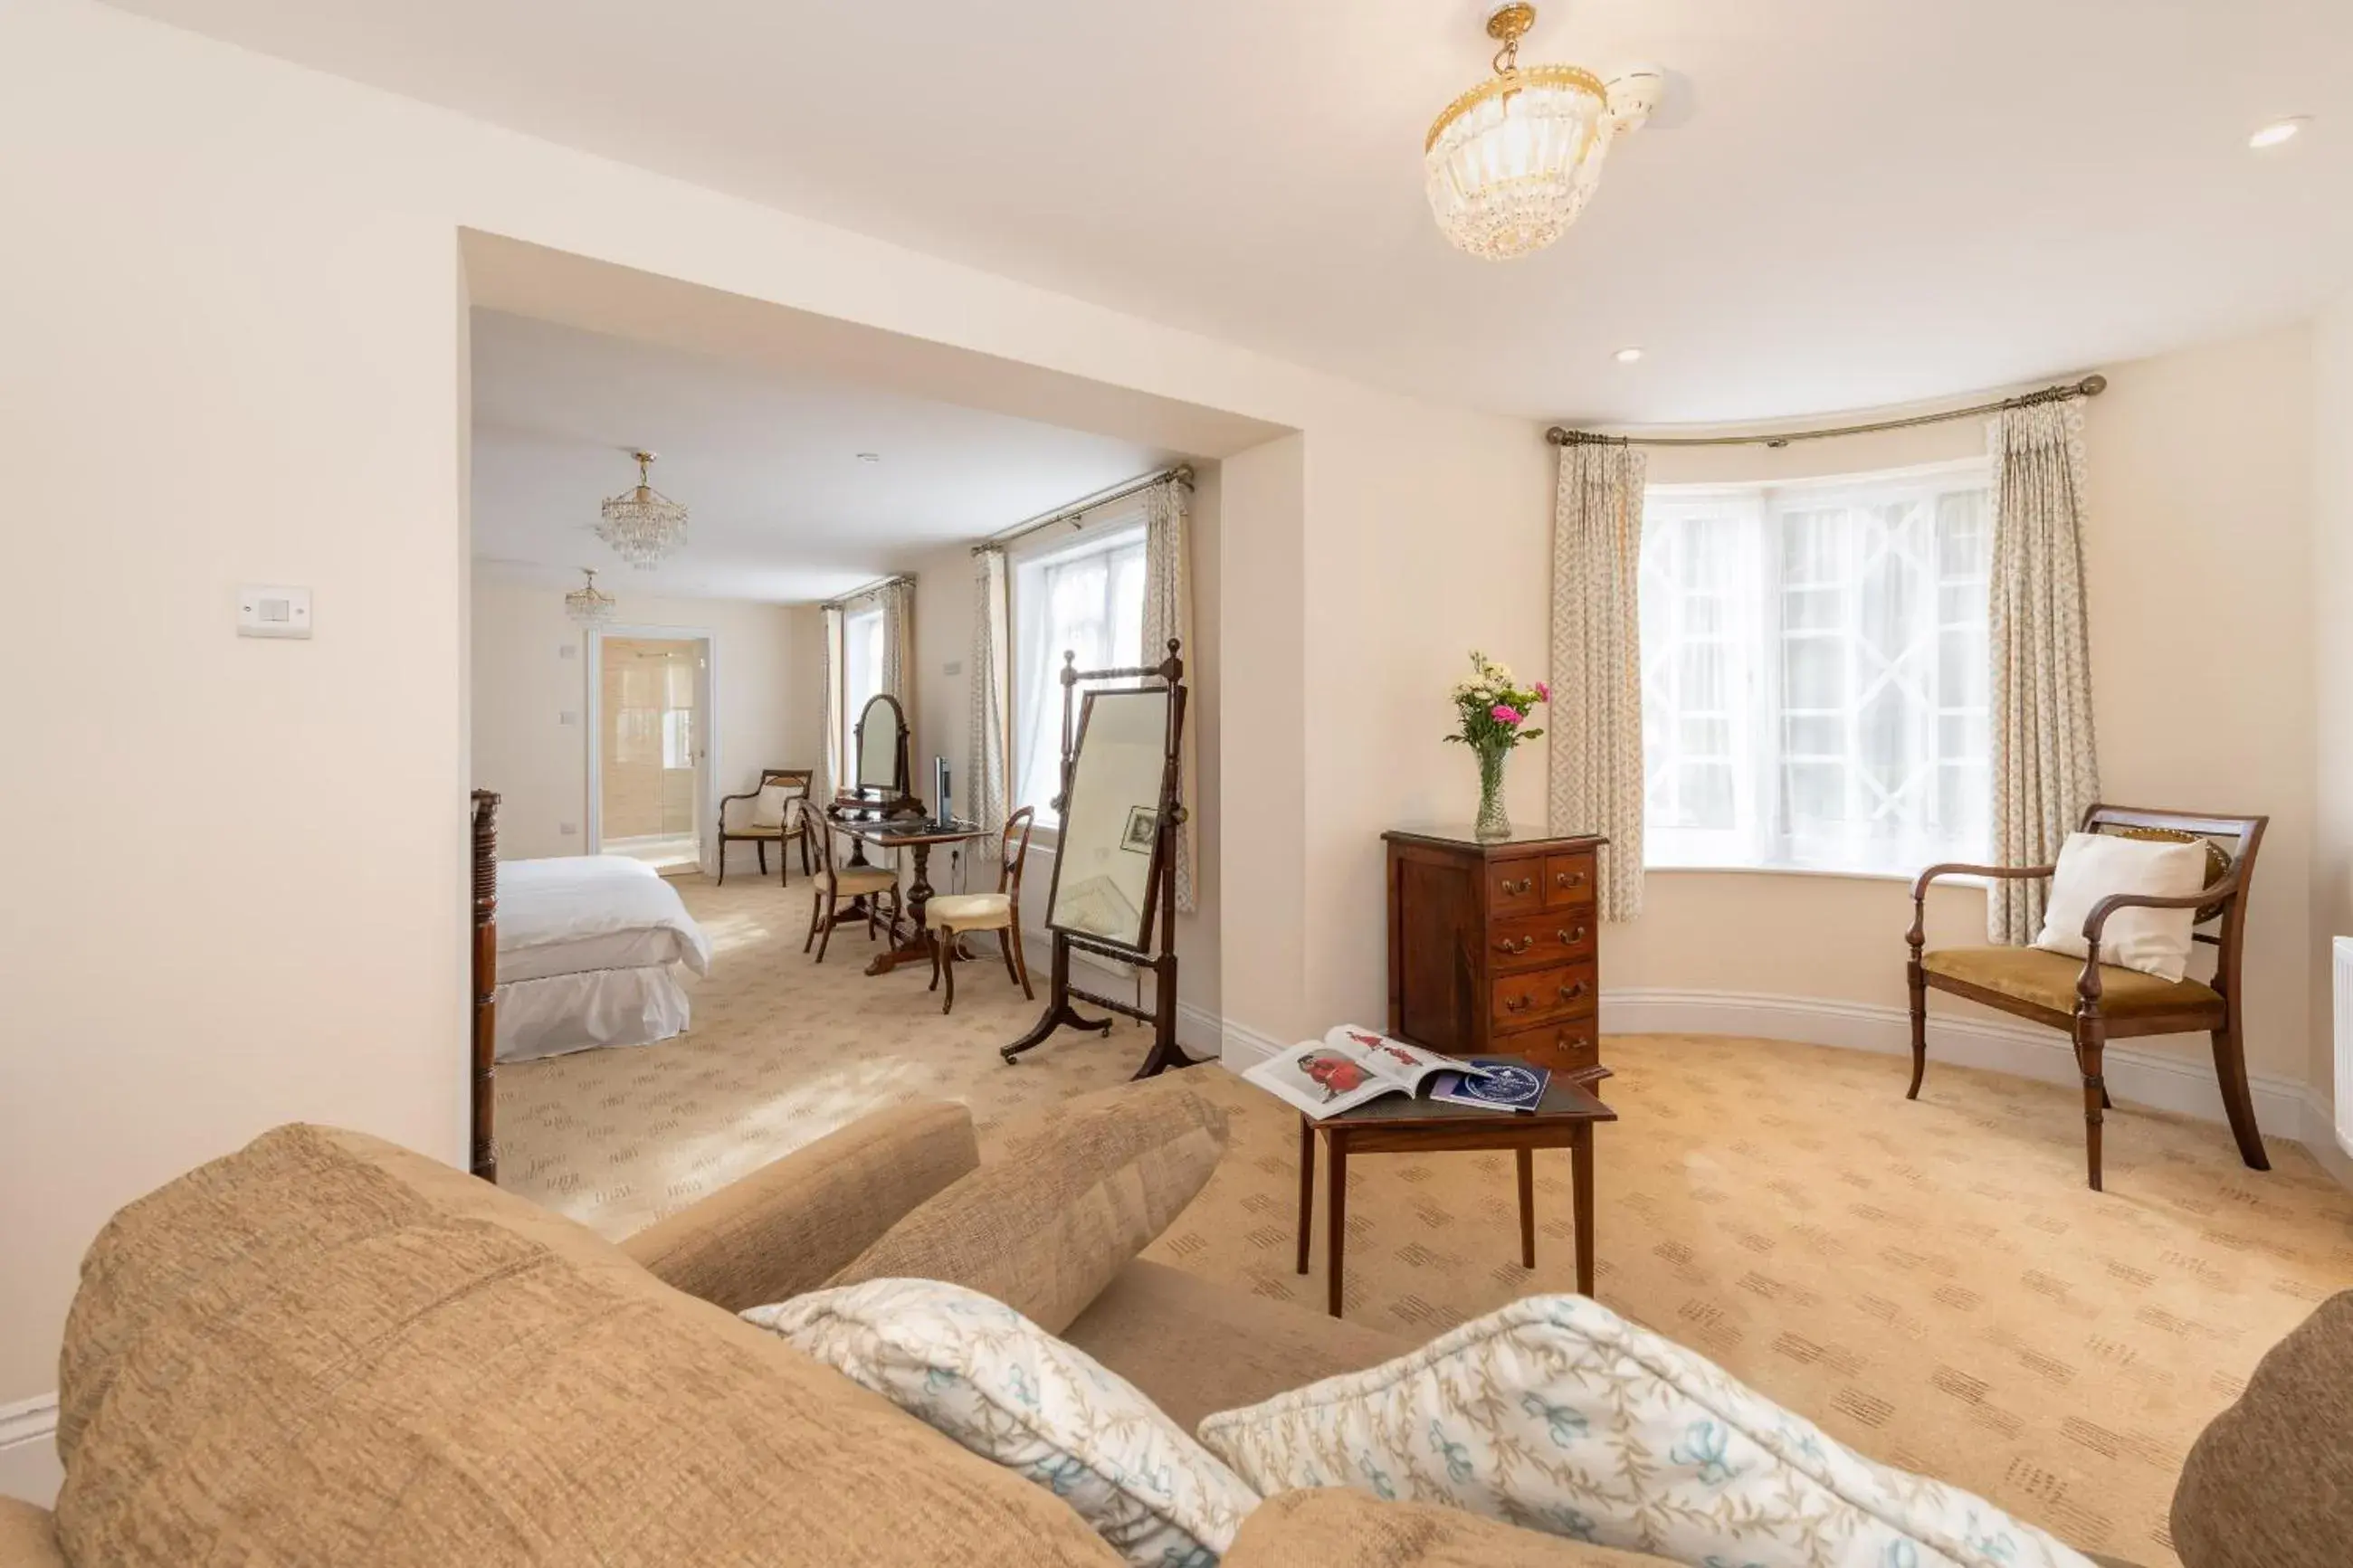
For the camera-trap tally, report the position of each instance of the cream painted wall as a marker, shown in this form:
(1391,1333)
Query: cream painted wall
(2332,666)
(523,682)
(945,606)
(2198,559)
(244,364)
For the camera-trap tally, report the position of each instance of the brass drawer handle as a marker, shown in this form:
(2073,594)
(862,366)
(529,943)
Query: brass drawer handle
(1570,938)
(1572,991)
(1507,946)
(1516,1004)
(1525,885)
(1568,878)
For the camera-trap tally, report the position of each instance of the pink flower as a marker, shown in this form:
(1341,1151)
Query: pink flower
(1543,692)
(1504,713)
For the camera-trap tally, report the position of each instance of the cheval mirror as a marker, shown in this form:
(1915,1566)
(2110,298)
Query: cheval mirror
(1115,888)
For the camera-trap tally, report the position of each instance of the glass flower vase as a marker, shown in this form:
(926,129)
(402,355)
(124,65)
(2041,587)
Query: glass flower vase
(1493,822)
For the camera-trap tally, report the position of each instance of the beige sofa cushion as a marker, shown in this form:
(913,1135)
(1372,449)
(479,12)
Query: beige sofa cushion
(788,1225)
(1333,1528)
(324,1349)
(1070,1200)
(1194,1347)
(2269,1483)
(28,1539)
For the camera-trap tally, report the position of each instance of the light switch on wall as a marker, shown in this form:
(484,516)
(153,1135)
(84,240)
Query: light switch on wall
(953,667)
(568,716)
(273,612)
(568,828)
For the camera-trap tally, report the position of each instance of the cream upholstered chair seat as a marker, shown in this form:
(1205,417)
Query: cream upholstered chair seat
(852,880)
(968,911)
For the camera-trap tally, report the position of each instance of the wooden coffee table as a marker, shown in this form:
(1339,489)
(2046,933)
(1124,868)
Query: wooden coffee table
(1396,1125)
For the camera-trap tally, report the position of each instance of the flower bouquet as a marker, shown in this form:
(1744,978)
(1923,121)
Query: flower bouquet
(1495,711)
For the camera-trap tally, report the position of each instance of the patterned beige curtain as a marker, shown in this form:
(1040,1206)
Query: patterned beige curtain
(990,636)
(2045,764)
(1597,663)
(1168,612)
(898,600)
(829,664)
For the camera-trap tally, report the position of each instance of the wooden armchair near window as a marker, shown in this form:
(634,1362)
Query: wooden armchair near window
(751,820)
(2095,1003)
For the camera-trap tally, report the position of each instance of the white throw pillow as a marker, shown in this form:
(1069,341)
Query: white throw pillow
(1558,1414)
(2094,865)
(768,806)
(1002,1386)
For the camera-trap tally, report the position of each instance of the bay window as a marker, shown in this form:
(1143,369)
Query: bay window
(1814,671)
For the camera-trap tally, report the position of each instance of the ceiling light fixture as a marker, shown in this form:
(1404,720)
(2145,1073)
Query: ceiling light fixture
(1626,355)
(1513,162)
(2278,131)
(589,604)
(642,524)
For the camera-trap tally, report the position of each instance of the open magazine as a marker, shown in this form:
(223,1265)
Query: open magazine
(1349,1066)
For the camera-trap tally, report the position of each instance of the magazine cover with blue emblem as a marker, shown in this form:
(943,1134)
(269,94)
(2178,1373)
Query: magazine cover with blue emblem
(1498,1086)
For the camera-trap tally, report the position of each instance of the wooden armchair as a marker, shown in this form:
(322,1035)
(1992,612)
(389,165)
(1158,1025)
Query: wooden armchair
(793,824)
(2094,1003)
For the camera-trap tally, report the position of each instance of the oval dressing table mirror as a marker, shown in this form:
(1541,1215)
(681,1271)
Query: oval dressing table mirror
(878,752)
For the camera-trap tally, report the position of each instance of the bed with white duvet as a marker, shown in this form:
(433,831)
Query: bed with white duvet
(591,948)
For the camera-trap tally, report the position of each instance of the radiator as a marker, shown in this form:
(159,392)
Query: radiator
(2342,967)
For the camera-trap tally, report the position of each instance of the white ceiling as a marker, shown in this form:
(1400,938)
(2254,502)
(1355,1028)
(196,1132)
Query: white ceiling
(765,458)
(1845,203)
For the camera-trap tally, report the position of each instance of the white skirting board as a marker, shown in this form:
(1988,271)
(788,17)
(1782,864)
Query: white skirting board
(2284,1107)
(28,1450)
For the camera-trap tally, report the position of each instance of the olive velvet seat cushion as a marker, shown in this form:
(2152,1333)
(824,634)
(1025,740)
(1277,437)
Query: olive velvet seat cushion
(2048,980)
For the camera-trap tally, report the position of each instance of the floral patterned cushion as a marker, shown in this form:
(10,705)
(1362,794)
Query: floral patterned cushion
(1556,1414)
(997,1383)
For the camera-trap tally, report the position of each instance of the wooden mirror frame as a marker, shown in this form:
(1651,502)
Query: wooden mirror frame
(1156,947)
(1157,866)
(856,792)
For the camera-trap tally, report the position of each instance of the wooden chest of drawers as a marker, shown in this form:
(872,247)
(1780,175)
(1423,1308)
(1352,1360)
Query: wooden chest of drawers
(1493,947)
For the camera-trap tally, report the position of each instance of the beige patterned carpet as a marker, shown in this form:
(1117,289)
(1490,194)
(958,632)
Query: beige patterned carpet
(1931,1282)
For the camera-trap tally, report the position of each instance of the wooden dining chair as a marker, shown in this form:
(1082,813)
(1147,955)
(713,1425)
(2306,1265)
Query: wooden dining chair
(950,915)
(792,822)
(2095,1003)
(864,886)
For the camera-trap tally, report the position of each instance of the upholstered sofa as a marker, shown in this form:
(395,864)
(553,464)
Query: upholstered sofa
(325,1349)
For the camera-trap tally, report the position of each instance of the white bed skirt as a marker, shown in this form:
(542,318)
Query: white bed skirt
(561,1012)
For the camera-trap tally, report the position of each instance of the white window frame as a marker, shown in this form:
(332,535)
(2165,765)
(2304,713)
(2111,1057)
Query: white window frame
(854,623)
(1754,722)
(1035,696)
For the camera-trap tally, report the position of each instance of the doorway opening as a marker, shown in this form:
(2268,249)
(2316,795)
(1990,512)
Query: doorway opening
(649,750)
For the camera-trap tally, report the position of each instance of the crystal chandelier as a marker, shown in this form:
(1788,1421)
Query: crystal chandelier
(642,524)
(589,604)
(1513,162)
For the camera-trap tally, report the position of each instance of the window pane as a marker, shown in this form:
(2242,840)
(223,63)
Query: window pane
(1087,601)
(1815,671)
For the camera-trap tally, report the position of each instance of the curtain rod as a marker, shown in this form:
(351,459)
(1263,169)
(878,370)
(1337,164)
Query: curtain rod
(876,586)
(2090,386)
(1182,474)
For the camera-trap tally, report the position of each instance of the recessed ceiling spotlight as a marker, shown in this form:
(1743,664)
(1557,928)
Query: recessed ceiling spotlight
(1626,355)
(2279,131)
(869,456)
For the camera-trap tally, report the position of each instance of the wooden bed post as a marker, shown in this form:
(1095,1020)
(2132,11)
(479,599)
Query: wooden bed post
(484,1044)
